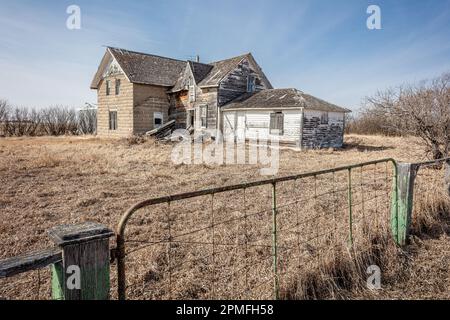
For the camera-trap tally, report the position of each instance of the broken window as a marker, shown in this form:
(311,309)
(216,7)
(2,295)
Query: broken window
(157,120)
(324,118)
(251,83)
(113,120)
(277,123)
(117,87)
(108,87)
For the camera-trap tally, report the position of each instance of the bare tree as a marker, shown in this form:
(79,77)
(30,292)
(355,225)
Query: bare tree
(421,110)
(87,121)
(59,121)
(4,114)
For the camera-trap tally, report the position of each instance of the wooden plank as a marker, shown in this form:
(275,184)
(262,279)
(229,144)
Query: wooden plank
(28,262)
(85,246)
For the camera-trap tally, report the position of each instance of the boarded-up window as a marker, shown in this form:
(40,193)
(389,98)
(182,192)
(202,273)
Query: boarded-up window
(204,116)
(324,118)
(117,87)
(251,83)
(113,120)
(277,123)
(108,87)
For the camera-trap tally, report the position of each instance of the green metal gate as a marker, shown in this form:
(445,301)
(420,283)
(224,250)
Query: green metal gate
(258,235)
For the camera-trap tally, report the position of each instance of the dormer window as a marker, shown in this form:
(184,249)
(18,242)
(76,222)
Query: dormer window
(108,87)
(251,83)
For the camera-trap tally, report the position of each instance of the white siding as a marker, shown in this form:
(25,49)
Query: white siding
(257,123)
(333,117)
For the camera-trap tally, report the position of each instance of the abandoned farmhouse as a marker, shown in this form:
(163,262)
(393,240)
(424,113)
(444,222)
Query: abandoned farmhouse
(139,92)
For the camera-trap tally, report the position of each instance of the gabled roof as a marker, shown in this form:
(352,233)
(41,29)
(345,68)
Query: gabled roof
(147,68)
(199,70)
(281,99)
(220,70)
(143,68)
(196,70)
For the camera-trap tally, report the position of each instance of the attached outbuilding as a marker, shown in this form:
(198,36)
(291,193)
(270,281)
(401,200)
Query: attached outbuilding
(292,116)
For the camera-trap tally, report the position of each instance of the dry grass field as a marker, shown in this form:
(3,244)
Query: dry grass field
(50,181)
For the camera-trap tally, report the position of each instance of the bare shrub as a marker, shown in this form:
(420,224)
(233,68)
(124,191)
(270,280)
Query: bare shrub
(370,123)
(87,121)
(59,121)
(23,122)
(4,114)
(421,110)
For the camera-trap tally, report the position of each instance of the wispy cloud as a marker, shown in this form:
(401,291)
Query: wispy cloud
(321,47)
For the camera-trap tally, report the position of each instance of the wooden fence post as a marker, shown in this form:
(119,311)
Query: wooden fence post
(84,271)
(405,192)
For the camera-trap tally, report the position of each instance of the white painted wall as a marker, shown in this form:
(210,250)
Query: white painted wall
(254,124)
(333,117)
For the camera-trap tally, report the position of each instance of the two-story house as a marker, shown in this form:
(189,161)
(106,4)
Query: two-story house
(139,92)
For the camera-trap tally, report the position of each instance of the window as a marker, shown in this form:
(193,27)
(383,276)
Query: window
(157,120)
(108,87)
(113,120)
(251,83)
(204,116)
(324,118)
(191,93)
(117,87)
(277,123)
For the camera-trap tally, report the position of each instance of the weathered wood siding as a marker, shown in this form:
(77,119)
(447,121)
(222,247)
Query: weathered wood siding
(149,99)
(317,135)
(257,124)
(235,83)
(179,103)
(122,103)
(207,96)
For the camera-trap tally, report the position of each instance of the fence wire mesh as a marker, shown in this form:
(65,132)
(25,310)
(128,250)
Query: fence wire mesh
(431,202)
(258,242)
(32,285)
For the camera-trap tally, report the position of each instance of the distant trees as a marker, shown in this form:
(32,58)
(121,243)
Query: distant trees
(55,121)
(87,120)
(421,110)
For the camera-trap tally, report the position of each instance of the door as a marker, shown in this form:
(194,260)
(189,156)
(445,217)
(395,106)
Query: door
(190,119)
(240,126)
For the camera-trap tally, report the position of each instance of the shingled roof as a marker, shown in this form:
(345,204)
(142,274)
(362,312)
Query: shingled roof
(220,70)
(281,99)
(200,70)
(147,68)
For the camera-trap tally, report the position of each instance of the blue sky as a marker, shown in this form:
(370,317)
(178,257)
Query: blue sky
(322,47)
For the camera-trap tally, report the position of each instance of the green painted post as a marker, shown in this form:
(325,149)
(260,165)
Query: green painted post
(275,241)
(394,205)
(83,273)
(401,217)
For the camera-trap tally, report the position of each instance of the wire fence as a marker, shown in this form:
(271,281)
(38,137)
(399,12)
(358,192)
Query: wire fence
(264,240)
(32,285)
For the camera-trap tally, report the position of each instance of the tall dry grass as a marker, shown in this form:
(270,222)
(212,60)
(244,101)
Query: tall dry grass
(50,181)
